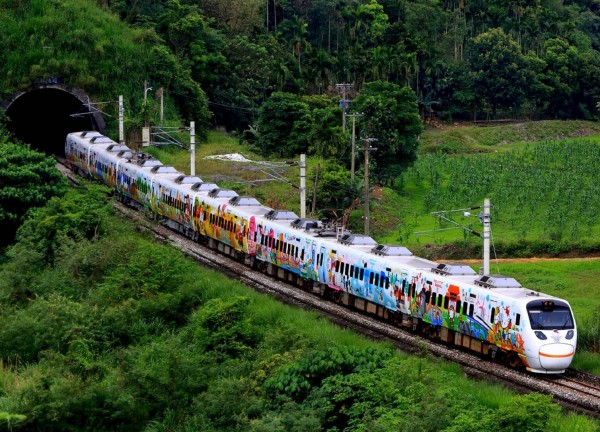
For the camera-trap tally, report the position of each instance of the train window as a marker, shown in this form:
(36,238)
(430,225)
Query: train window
(446,302)
(465,304)
(387,282)
(433,298)
(471,309)
(376,280)
(493,315)
(362,273)
(458,305)
(518,319)
(427,296)
(371,276)
(302,254)
(337,266)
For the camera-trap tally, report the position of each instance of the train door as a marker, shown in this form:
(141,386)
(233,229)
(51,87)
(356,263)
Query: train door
(323,263)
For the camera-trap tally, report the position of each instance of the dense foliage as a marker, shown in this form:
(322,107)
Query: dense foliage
(87,47)
(115,332)
(27,179)
(461,58)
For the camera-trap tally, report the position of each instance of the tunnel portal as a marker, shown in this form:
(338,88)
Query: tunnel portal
(44,114)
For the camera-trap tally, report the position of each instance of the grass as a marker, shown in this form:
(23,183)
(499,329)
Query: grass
(474,139)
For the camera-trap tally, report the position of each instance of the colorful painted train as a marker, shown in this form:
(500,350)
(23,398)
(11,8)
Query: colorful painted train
(490,314)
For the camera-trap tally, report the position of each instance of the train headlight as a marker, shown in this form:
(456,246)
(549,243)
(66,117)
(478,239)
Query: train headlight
(540,335)
(570,334)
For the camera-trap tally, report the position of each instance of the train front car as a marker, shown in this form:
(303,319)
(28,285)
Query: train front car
(551,337)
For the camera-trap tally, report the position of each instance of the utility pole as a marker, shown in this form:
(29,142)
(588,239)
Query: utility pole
(314,199)
(121,127)
(486,236)
(344,88)
(192,148)
(353,143)
(367,148)
(162,106)
(146,90)
(302,185)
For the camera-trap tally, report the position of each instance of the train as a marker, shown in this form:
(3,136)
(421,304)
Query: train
(492,315)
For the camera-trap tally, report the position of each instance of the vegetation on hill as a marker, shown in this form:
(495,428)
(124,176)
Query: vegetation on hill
(27,180)
(86,46)
(461,59)
(112,331)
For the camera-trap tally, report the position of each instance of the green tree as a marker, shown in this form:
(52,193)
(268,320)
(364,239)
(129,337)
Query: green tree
(572,74)
(27,179)
(391,117)
(276,121)
(336,190)
(500,70)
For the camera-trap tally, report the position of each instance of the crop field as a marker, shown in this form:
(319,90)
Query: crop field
(546,190)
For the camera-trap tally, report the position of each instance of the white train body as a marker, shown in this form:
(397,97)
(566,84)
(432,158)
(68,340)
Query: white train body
(487,314)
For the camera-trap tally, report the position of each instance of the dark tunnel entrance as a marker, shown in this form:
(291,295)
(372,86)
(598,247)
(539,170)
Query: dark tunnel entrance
(43,116)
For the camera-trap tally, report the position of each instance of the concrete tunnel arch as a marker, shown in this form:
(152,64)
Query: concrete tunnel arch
(45,113)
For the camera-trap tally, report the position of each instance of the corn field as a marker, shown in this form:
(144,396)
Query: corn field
(548,190)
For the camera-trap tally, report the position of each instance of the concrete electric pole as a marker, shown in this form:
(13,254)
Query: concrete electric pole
(367,148)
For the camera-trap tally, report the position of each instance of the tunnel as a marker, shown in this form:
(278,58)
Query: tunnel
(43,115)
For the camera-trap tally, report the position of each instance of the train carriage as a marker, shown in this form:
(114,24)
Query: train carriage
(489,314)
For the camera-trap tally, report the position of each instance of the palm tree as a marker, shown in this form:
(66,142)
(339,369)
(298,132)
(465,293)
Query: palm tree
(320,63)
(297,31)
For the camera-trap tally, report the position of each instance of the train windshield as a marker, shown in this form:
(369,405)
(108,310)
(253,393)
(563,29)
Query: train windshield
(550,315)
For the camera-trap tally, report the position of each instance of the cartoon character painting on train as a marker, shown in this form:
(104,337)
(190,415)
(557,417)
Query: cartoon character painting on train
(309,269)
(504,331)
(453,295)
(198,217)
(252,236)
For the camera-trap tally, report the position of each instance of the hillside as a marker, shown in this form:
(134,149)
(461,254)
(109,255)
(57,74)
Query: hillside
(522,226)
(104,329)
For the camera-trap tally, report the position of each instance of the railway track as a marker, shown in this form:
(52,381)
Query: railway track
(576,391)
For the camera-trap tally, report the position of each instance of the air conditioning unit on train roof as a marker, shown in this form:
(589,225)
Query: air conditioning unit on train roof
(99,139)
(244,201)
(306,224)
(453,270)
(127,154)
(89,134)
(357,240)
(163,169)
(148,163)
(281,215)
(204,187)
(391,250)
(222,193)
(185,179)
(115,148)
(497,281)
